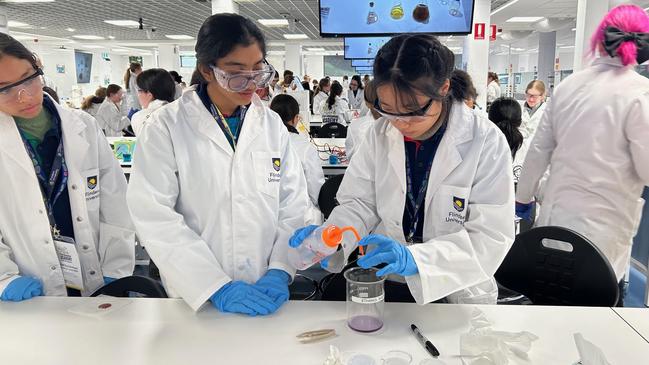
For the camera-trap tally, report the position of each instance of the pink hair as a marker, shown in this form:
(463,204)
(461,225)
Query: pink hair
(627,18)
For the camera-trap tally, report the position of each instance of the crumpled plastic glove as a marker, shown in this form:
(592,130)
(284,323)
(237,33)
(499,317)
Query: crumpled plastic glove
(589,354)
(108,280)
(240,297)
(399,259)
(22,288)
(300,235)
(275,285)
(524,211)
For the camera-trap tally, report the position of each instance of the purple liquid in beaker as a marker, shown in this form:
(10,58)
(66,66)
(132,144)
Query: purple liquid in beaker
(365,323)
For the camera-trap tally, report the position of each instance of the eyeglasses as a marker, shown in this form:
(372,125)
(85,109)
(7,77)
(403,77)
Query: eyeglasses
(407,117)
(240,81)
(530,96)
(30,85)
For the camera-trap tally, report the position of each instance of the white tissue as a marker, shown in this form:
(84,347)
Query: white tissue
(334,358)
(489,347)
(588,352)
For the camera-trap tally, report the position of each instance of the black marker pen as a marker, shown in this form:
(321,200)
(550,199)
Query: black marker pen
(424,341)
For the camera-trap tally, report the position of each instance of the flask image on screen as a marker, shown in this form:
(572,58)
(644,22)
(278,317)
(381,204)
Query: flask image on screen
(371,15)
(397,11)
(421,13)
(370,49)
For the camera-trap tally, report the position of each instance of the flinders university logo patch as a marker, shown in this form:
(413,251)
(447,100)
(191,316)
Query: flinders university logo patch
(277,164)
(458,204)
(92,182)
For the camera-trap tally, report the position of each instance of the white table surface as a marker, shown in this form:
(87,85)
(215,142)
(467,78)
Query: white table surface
(638,318)
(166,331)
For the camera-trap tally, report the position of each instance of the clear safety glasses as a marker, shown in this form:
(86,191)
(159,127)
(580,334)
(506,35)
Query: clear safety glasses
(30,85)
(411,117)
(240,81)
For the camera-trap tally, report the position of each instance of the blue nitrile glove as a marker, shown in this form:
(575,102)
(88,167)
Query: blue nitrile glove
(300,235)
(275,285)
(240,297)
(22,288)
(108,280)
(524,211)
(389,251)
(131,112)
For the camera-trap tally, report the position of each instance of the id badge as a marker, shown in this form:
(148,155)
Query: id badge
(69,260)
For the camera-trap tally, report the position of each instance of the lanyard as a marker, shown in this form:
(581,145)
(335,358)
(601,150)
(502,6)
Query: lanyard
(49,189)
(414,204)
(223,123)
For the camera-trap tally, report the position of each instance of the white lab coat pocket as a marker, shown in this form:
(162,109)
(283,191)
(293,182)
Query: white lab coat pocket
(450,208)
(92,188)
(267,167)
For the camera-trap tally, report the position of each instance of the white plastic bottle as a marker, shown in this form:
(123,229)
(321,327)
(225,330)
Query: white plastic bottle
(321,243)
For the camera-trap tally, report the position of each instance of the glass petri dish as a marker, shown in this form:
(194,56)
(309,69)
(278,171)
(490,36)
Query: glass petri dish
(358,359)
(396,357)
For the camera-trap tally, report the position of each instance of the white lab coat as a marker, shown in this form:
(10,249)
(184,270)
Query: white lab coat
(357,133)
(339,109)
(141,118)
(312,167)
(102,226)
(93,109)
(318,99)
(207,215)
(356,102)
(594,136)
(112,119)
(179,91)
(493,91)
(132,101)
(527,129)
(463,246)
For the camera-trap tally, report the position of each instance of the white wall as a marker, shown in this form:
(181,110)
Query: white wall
(314,66)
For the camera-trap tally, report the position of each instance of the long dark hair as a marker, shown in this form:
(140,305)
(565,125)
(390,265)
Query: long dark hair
(357,78)
(336,90)
(322,84)
(462,87)
(287,108)
(414,64)
(9,46)
(134,66)
(506,114)
(222,33)
(158,82)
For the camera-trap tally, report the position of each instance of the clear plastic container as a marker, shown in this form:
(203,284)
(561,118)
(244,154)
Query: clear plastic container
(365,299)
(321,243)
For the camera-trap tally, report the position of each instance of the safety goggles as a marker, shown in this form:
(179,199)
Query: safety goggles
(240,81)
(407,117)
(30,85)
(532,97)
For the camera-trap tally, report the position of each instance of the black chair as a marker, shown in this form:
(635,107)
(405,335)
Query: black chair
(303,288)
(548,276)
(132,284)
(327,196)
(332,130)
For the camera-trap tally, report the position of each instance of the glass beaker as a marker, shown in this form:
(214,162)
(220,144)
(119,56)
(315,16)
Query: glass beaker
(396,12)
(371,15)
(421,13)
(365,299)
(454,8)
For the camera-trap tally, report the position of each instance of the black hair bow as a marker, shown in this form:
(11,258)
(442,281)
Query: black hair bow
(613,39)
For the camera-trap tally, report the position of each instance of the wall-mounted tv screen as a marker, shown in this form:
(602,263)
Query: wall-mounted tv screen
(83,62)
(187,61)
(362,63)
(364,70)
(364,47)
(340,18)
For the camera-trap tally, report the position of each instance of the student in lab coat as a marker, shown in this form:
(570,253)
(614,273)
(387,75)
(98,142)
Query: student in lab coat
(112,114)
(334,105)
(62,191)
(505,113)
(593,136)
(321,95)
(358,128)
(355,93)
(289,110)
(462,86)
(448,167)
(92,103)
(216,189)
(493,88)
(132,102)
(155,89)
(532,112)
